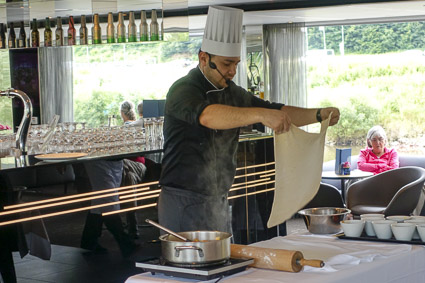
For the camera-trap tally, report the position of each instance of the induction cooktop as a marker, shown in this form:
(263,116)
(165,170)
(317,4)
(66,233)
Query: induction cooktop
(231,266)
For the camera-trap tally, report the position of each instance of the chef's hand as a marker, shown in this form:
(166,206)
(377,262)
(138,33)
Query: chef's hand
(325,112)
(278,120)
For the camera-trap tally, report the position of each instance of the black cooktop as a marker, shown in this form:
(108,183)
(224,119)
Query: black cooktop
(232,266)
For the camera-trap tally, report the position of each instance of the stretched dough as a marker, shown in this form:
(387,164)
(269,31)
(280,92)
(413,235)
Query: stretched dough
(299,163)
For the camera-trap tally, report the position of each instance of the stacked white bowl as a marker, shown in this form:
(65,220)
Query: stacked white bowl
(369,218)
(404,228)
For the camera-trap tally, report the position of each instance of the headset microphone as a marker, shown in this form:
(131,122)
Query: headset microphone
(214,67)
(212,64)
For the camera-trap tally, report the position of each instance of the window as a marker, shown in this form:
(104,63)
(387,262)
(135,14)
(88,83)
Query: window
(374,74)
(106,75)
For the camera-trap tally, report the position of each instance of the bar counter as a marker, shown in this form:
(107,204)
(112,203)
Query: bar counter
(40,190)
(11,163)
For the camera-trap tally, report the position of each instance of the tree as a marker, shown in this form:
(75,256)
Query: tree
(370,38)
(96,109)
(355,120)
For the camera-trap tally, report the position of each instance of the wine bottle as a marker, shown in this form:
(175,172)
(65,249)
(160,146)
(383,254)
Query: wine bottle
(71,31)
(110,30)
(121,28)
(35,35)
(2,37)
(144,36)
(132,29)
(96,32)
(83,31)
(47,33)
(154,27)
(22,39)
(59,32)
(12,36)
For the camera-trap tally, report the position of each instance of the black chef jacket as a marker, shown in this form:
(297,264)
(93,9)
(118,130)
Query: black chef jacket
(197,158)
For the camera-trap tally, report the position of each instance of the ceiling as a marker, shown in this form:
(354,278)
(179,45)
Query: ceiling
(335,14)
(318,12)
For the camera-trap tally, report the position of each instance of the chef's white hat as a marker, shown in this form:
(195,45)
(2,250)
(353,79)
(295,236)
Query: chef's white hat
(223,31)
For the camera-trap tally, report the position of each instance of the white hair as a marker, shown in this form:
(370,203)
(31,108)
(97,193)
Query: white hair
(375,131)
(127,108)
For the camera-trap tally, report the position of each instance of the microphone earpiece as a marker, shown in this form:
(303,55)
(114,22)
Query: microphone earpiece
(212,65)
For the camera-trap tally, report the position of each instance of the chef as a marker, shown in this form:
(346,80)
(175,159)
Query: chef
(203,113)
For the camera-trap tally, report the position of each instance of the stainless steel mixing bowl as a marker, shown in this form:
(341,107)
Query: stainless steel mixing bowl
(324,220)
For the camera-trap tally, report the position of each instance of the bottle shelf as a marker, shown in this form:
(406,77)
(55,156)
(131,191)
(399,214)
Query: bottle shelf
(130,31)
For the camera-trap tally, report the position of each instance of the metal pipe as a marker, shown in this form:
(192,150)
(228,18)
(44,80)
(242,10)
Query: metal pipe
(22,133)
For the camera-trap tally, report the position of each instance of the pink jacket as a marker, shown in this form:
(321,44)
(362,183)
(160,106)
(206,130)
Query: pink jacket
(369,162)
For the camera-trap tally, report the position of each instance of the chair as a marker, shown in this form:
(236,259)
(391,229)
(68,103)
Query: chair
(327,196)
(394,192)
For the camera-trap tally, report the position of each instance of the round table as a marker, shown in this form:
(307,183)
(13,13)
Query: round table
(355,174)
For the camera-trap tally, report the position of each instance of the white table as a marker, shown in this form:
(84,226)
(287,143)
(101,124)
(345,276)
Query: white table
(378,263)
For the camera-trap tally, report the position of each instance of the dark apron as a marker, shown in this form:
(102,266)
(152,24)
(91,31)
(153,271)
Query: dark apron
(181,210)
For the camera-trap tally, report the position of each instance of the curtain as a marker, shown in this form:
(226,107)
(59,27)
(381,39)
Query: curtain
(241,77)
(56,83)
(285,73)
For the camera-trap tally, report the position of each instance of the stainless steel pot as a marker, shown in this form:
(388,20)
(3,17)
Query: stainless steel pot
(206,247)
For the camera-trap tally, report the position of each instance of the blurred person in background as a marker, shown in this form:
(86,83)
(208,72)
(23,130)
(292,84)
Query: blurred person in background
(127,112)
(376,157)
(134,168)
(102,175)
(139,122)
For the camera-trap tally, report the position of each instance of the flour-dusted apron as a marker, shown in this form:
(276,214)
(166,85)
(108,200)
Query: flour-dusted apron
(299,162)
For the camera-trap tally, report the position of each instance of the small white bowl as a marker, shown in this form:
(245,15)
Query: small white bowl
(403,231)
(372,215)
(383,228)
(415,221)
(352,228)
(399,218)
(368,225)
(421,231)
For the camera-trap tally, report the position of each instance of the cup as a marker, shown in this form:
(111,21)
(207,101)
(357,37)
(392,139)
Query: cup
(416,221)
(376,215)
(382,228)
(421,231)
(368,225)
(403,231)
(352,228)
(399,218)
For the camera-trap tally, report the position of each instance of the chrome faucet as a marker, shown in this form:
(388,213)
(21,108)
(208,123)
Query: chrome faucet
(22,133)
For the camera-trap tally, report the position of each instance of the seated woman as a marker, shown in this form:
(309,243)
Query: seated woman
(127,112)
(376,158)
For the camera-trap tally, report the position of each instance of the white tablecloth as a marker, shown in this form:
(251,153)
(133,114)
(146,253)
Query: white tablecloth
(345,261)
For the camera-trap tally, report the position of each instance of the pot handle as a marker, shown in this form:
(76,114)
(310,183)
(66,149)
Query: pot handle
(180,248)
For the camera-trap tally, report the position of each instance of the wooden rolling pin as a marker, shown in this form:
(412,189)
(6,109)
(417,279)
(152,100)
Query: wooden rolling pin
(285,260)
